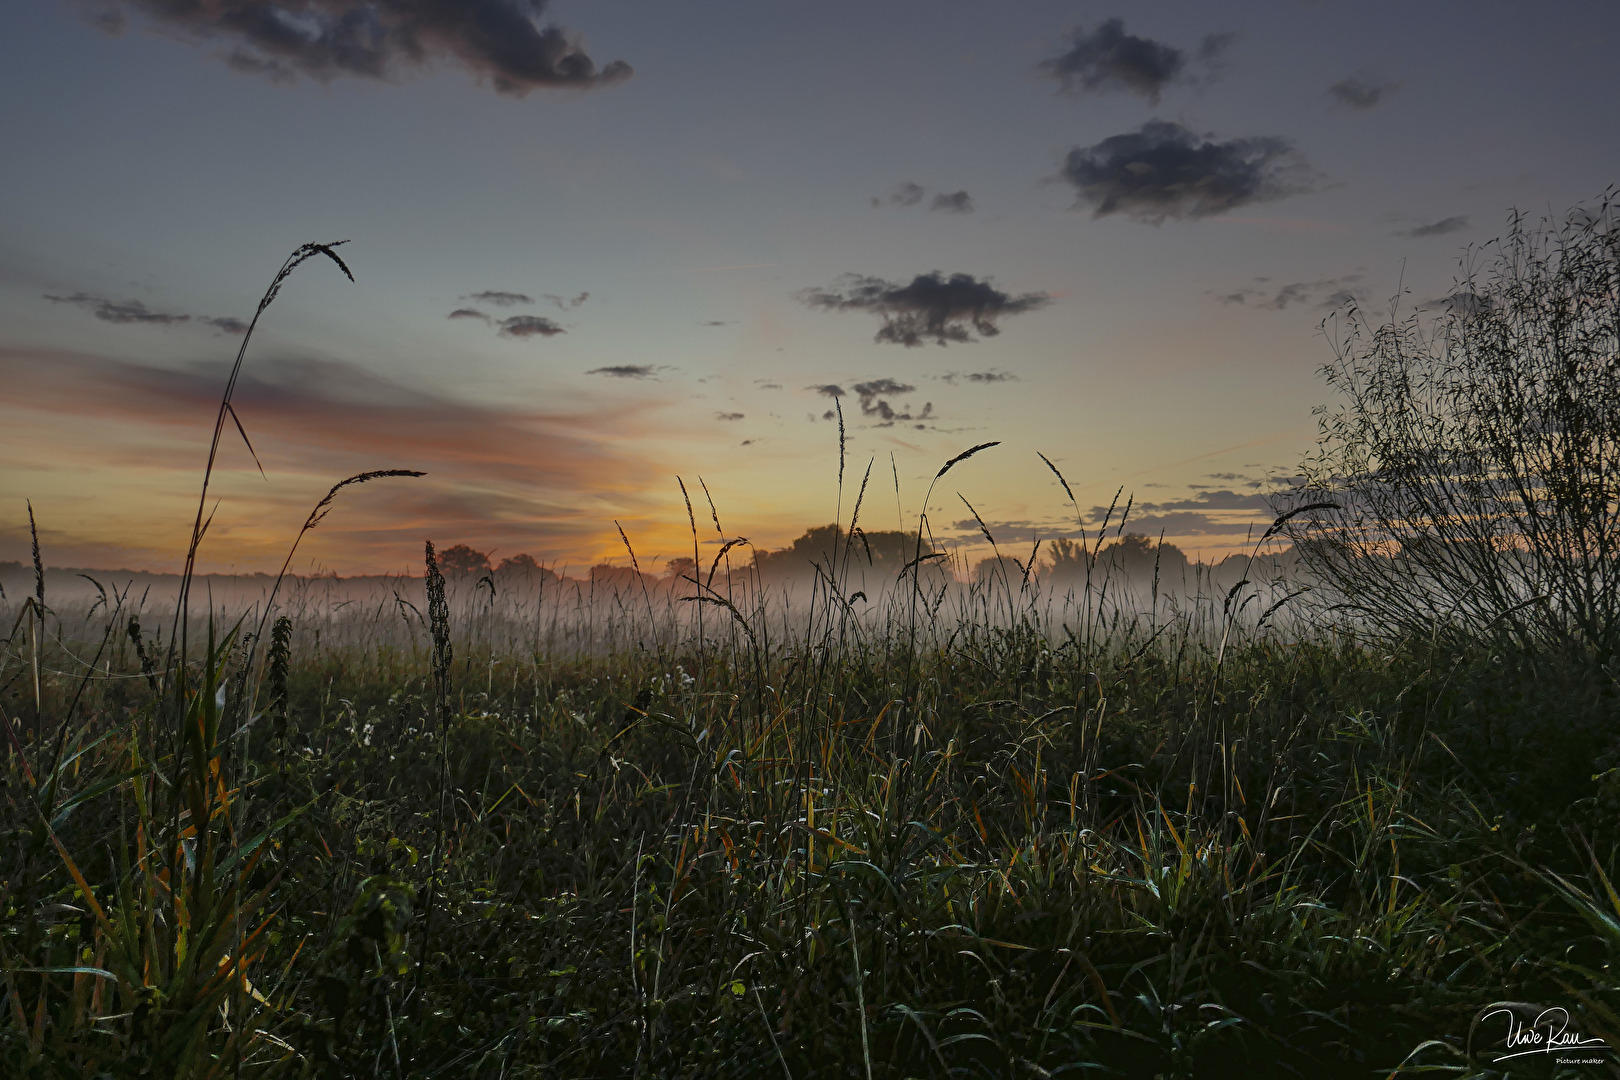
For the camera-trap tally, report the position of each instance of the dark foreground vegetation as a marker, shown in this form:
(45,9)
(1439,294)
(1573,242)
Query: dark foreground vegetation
(990,858)
(996,837)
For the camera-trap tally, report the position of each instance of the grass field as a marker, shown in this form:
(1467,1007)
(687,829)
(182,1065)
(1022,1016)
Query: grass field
(985,847)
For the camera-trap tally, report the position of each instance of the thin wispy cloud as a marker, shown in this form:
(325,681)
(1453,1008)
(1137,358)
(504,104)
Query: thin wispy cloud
(625,371)
(505,42)
(1443,227)
(467,313)
(904,194)
(499,297)
(913,194)
(979,377)
(1109,60)
(135,313)
(568,303)
(119,311)
(929,308)
(1164,170)
(1354,93)
(1462,302)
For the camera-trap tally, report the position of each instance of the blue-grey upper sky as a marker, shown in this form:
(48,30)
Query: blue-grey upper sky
(599,246)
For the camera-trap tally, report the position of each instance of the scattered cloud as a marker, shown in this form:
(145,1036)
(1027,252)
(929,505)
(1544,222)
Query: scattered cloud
(624,371)
(503,41)
(500,298)
(118,311)
(832,390)
(1164,170)
(728,416)
(931,307)
(956,202)
(568,303)
(1354,93)
(1331,292)
(763,385)
(874,395)
(1108,59)
(525,326)
(225,324)
(1443,227)
(717,322)
(467,313)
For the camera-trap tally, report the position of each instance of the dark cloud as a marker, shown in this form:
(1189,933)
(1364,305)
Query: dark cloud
(931,307)
(523,326)
(500,298)
(568,303)
(1108,59)
(829,390)
(950,377)
(956,202)
(467,313)
(1442,227)
(1164,170)
(1353,93)
(717,322)
(1331,292)
(118,311)
(501,40)
(225,324)
(728,416)
(624,371)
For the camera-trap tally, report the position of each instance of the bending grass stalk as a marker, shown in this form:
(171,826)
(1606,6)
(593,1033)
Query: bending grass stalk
(316,516)
(299,256)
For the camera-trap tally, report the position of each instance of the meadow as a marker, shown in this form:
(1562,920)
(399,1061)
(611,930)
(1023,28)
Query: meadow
(1012,826)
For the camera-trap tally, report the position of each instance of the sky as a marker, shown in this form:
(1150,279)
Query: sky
(599,247)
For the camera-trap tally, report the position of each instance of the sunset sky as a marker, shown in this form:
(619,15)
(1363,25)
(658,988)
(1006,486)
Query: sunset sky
(600,246)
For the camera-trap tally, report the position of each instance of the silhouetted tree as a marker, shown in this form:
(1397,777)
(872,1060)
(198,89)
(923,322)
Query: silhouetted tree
(462,560)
